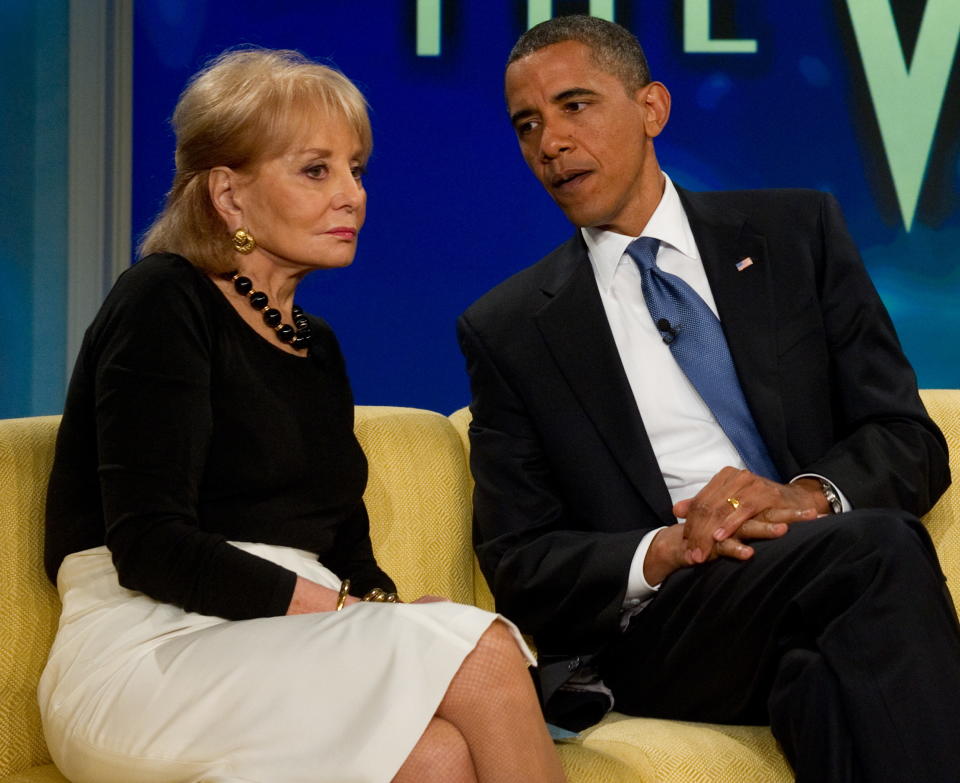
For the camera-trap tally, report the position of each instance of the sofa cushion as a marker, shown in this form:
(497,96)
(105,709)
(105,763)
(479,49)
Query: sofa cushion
(689,752)
(45,774)
(418,500)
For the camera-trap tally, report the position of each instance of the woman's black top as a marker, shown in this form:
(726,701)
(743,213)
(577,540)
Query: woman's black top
(184,429)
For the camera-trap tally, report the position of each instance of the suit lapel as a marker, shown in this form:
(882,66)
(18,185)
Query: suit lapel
(744,299)
(574,326)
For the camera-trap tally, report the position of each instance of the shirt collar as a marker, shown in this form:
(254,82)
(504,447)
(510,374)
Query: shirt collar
(668,223)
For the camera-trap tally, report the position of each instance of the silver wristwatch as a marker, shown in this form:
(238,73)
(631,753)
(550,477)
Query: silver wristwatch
(831,495)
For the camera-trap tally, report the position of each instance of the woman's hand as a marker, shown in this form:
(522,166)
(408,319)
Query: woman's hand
(309,597)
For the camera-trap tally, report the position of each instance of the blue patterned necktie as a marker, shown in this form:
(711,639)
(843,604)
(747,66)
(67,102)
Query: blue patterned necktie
(697,343)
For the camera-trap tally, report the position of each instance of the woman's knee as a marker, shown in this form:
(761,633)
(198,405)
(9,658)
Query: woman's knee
(494,674)
(499,639)
(497,648)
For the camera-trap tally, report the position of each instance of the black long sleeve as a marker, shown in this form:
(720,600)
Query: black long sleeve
(184,429)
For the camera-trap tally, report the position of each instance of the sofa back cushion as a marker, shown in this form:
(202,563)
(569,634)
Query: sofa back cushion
(418,499)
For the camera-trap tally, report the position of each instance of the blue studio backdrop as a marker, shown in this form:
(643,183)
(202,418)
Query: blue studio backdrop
(848,96)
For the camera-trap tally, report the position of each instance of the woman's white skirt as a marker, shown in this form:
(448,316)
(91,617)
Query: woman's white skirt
(138,691)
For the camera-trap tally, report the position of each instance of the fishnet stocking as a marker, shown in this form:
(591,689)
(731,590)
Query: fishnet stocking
(441,756)
(492,703)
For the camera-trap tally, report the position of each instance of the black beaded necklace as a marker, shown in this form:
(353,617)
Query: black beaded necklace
(298,338)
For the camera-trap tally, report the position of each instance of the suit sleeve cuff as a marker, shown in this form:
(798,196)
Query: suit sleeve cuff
(845,504)
(638,590)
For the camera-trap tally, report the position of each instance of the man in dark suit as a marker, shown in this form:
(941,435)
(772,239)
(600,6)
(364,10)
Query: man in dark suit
(664,562)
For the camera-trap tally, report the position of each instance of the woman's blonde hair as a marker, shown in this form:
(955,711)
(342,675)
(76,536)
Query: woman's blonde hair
(243,107)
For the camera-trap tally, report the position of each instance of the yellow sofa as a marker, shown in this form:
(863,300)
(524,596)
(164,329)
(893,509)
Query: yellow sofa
(419,501)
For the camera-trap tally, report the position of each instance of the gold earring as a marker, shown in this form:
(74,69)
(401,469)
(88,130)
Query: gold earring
(243,242)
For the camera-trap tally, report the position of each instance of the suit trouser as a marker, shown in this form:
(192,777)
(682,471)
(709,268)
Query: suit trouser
(841,635)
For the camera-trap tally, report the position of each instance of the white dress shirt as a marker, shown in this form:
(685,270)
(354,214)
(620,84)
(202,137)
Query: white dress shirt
(689,444)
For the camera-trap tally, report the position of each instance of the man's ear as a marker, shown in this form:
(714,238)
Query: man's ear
(654,98)
(222,184)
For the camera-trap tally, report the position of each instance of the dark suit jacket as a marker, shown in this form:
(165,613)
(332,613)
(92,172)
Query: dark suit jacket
(567,482)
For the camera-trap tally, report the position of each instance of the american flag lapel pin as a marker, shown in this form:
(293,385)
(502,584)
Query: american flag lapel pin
(744,263)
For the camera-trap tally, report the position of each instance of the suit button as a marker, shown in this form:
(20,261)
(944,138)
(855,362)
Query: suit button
(574,664)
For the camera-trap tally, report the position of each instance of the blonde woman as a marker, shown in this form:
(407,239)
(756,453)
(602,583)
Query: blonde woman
(224,618)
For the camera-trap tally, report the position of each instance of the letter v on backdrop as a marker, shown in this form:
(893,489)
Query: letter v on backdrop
(907,100)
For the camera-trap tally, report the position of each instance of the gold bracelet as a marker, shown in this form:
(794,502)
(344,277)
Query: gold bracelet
(378,596)
(342,595)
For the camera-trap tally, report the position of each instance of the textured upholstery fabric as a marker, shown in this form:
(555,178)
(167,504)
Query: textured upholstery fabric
(45,774)
(943,521)
(29,606)
(419,502)
(666,750)
(585,765)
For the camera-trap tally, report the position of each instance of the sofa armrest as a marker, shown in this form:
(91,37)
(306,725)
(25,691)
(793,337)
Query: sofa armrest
(943,520)
(29,606)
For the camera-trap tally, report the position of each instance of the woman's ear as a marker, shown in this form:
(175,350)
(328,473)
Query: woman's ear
(222,184)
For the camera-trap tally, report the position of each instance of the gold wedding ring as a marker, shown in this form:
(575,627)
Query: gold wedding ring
(735,502)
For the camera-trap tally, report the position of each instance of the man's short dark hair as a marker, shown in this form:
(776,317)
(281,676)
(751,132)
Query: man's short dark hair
(614,48)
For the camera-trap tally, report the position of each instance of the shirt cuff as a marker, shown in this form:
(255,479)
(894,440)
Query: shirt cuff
(638,590)
(845,504)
